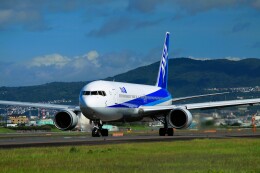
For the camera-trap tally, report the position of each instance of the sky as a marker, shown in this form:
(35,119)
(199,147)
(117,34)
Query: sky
(43,41)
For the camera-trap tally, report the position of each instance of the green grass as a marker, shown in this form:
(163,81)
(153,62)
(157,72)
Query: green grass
(223,155)
(6,130)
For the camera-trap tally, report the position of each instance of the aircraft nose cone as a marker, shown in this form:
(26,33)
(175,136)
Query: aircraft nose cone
(87,106)
(86,102)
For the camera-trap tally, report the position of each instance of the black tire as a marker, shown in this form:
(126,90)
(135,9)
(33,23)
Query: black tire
(170,132)
(104,132)
(95,132)
(162,131)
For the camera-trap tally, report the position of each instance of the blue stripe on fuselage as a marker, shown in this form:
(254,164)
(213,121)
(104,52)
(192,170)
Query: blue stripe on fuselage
(151,99)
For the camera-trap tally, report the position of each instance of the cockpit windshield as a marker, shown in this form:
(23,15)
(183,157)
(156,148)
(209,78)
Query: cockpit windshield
(87,93)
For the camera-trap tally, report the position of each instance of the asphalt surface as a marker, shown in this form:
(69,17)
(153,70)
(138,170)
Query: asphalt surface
(20,140)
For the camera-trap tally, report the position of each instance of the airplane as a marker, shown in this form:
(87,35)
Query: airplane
(109,101)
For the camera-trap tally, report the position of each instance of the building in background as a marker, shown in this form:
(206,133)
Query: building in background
(18,119)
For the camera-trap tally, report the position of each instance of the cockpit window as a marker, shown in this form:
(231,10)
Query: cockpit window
(100,93)
(94,93)
(87,93)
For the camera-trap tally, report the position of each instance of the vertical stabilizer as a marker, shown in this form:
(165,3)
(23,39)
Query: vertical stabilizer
(163,70)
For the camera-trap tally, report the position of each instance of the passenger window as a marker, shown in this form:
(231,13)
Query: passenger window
(104,93)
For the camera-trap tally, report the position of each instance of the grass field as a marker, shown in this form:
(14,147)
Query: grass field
(208,155)
(6,130)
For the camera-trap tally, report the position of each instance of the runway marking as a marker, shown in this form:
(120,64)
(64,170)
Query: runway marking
(210,131)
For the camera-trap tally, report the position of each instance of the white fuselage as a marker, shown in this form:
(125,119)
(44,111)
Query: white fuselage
(112,101)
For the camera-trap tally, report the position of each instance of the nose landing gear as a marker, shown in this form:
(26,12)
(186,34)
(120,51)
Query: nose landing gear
(98,131)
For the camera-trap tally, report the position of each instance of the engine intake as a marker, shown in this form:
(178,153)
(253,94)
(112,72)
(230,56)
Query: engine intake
(180,118)
(65,120)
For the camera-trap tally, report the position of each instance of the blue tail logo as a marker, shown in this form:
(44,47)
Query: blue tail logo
(163,70)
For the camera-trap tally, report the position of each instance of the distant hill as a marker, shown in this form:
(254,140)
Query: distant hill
(42,93)
(186,77)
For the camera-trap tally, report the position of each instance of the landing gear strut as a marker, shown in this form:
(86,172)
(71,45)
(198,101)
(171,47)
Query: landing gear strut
(98,131)
(166,130)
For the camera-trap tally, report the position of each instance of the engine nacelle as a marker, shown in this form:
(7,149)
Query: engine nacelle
(180,118)
(65,120)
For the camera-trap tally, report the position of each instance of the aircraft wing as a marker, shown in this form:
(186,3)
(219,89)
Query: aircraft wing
(220,104)
(193,106)
(39,105)
(197,96)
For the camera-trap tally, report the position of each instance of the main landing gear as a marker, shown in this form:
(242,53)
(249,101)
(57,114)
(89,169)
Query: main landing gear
(98,131)
(166,131)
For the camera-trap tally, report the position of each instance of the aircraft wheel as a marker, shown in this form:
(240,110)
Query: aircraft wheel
(162,131)
(170,131)
(95,132)
(104,132)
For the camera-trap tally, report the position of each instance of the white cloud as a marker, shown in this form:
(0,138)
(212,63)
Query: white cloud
(89,59)
(234,58)
(92,55)
(60,61)
(57,67)
(50,60)
(200,58)
(207,59)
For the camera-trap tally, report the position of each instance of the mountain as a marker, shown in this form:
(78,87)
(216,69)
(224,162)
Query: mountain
(41,93)
(189,76)
(186,77)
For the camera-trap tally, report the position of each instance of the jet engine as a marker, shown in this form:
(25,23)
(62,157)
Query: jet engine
(180,118)
(65,120)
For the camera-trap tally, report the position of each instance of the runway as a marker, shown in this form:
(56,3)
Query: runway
(53,139)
